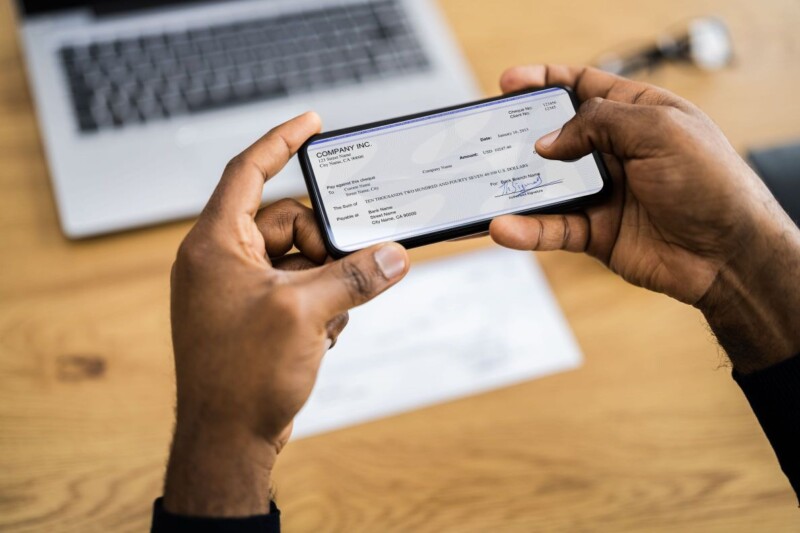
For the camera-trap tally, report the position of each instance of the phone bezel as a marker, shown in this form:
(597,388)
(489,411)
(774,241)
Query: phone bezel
(465,230)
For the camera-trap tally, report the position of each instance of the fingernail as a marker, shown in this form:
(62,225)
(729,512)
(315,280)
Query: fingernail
(391,259)
(548,139)
(328,344)
(312,114)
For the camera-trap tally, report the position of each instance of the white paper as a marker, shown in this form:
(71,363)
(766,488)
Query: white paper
(452,328)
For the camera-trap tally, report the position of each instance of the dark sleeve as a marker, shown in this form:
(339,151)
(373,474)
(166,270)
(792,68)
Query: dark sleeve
(774,395)
(166,522)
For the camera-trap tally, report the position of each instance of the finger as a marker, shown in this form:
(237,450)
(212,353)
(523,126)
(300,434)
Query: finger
(625,130)
(525,77)
(588,82)
(336,326)
(287,223)
(294,263)
(532,76)
(542,232)
(239,190)
(356,279)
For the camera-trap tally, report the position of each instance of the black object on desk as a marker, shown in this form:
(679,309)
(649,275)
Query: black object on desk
(779,167)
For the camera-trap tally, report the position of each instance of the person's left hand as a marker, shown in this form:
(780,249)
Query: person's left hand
(250,325)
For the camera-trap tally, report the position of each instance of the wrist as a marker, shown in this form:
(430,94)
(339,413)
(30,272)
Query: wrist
(752,304)
(218,470)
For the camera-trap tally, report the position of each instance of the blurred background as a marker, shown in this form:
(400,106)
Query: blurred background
(117,119)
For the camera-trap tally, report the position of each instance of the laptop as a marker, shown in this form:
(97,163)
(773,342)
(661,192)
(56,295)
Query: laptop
(141,103)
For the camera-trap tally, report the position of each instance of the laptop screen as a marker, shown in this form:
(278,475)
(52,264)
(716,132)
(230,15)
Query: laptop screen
(35,7)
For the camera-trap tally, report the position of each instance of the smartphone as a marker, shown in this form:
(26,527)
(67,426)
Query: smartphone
(446,173)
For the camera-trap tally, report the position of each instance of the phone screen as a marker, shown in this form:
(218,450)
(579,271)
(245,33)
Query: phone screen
(413,177)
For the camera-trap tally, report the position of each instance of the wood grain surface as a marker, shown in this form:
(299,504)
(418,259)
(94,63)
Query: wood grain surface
(651,434)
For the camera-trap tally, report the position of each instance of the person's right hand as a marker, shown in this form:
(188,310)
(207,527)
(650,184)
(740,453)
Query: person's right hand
(251,322)
(687,216)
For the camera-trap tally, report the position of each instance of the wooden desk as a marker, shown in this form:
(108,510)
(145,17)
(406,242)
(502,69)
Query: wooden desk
(651,434)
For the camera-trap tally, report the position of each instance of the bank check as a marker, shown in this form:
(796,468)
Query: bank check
(445,173)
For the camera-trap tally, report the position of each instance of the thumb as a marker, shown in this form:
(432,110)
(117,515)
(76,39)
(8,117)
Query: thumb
(625,130)
(356,279)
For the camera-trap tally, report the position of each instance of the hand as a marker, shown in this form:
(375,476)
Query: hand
(250,325)
(687,216)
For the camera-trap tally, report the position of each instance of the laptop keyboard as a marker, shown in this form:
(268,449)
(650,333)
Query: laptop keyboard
(157,76)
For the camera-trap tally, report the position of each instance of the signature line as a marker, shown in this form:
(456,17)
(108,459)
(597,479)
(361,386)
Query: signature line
(515,190)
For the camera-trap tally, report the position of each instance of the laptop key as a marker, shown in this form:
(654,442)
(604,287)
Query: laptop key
(196,98)
(172,104)
(87,123)
(68,55)
(221,93)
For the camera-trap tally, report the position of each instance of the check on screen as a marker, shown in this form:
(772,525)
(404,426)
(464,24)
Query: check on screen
(444,170)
